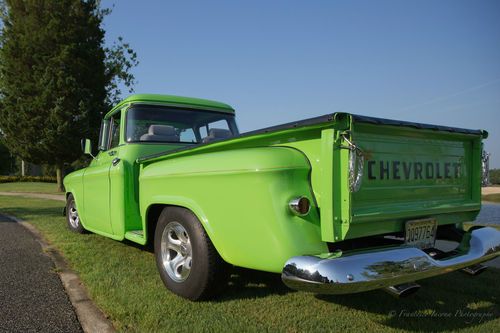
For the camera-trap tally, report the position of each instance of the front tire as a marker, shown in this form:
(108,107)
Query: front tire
(72,217)
(188,263)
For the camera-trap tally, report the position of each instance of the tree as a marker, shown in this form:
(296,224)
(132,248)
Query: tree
(56,77)
(7,161)
(495,176)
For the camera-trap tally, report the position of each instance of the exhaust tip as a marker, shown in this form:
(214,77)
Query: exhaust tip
(403,290)
(474,269)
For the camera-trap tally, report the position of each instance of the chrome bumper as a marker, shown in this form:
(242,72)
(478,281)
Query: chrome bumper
(367,270)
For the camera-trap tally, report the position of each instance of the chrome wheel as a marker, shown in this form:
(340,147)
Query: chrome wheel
(176,252)
(74,219)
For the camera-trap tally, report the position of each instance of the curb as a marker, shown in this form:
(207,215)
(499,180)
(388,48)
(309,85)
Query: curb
(91,318)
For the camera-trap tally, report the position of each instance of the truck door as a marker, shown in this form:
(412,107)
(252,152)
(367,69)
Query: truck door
(97,184)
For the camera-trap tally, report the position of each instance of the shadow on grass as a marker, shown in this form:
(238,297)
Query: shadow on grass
(448,302)
(5,219)
(249,284)
(24,213)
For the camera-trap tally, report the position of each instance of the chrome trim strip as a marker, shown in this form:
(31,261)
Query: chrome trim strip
(403,290)
(485,168)
(367,270)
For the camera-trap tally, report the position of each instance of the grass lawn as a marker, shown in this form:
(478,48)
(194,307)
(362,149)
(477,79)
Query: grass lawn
(491,197)
(123,281)
(29,187)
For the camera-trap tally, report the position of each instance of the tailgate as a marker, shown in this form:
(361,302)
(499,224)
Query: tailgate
(412,171)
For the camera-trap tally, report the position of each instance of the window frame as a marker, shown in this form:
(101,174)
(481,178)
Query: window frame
(104,135)
(112,127)
(233,127)
(106,130)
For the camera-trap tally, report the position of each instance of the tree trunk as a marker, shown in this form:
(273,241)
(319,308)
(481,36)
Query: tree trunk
(59,176)
(23,168)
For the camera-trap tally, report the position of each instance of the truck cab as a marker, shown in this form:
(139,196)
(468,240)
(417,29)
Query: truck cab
(142,125)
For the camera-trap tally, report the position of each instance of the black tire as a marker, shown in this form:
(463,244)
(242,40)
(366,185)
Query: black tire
(206,271)
(72,218)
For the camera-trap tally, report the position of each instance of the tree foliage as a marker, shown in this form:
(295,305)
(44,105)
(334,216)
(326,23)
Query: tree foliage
(57,77)
(495,176)
(7,161)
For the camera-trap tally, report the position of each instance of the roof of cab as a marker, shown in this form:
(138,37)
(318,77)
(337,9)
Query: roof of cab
(170,100)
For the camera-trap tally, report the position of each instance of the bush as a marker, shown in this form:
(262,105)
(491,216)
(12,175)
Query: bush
(495,176)
(12,179)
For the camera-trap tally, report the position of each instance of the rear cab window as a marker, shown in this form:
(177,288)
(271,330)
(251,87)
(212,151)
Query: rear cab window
(160,124)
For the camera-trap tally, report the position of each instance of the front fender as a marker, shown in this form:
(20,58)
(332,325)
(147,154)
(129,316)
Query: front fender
(73,183)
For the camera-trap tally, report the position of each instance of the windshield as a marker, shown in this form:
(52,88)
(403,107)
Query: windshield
(176,125)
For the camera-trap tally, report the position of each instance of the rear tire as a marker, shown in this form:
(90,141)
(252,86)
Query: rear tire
(188,263)
(72,217)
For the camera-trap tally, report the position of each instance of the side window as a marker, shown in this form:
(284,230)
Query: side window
(187,135)
(214,131)
(203,131)
(104,135)
(115,131)
(220,124)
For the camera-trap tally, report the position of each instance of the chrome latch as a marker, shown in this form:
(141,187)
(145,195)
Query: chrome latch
(356,163)
(485,168)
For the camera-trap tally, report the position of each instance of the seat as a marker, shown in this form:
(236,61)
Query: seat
(216,134)
(161,133)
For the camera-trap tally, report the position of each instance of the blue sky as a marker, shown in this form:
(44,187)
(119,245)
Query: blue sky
(278,61)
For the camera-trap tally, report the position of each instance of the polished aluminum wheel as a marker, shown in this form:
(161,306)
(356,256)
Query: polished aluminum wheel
(73,217)
(176,252)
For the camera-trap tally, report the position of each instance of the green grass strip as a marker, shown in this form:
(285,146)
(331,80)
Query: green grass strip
(36,187)
(492,197)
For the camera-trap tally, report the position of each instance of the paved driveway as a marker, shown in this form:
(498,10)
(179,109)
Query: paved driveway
(32,297)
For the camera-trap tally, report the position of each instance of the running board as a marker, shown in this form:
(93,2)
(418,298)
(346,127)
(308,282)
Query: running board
(136,236)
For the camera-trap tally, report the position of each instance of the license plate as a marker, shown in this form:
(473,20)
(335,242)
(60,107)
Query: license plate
(421,233)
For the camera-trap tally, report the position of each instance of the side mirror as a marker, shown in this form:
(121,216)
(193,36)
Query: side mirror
(87,147)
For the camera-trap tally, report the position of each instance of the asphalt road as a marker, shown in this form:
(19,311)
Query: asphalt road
(489,214)
(32,297)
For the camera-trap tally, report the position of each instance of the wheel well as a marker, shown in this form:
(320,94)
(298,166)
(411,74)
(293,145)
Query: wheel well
(64,208)
(153,214)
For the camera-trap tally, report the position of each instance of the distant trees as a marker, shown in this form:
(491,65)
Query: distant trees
(56,77)
(7,162)
(495,176)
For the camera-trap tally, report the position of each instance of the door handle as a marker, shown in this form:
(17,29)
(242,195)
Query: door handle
(115,161)
(112,153)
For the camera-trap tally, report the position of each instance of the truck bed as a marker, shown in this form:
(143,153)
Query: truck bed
(315,121)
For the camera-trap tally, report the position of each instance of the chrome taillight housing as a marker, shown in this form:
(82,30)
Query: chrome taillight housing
(485,168)
(300,206)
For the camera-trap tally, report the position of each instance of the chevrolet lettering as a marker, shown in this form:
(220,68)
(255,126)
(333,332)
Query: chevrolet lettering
(408,170)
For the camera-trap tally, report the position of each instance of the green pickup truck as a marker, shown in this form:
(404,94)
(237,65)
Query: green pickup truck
(337,204)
